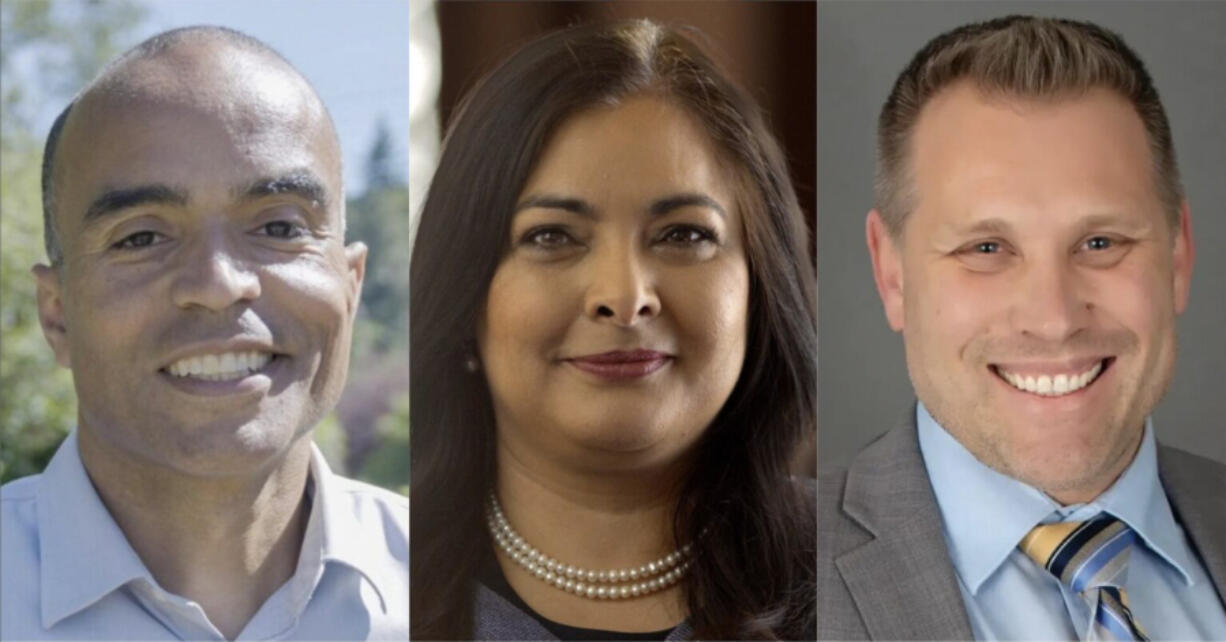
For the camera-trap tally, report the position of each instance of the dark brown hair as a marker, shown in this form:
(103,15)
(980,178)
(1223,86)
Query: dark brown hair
(1018,56)
(754,577)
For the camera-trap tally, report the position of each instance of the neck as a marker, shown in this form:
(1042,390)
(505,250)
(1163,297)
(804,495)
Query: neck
(226,543)
(594,520)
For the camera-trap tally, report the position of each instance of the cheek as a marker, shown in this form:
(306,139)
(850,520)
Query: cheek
(710,307)
(947,310)
(1136,297)
(310,302)
(108,309)
(527,312)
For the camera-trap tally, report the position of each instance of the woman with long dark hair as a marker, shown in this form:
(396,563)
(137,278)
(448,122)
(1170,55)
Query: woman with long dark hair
(613,355)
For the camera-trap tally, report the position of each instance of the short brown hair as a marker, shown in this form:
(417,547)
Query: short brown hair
(1026,56)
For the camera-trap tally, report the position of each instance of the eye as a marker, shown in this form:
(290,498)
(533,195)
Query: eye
(1103,251)
(1099,243)
(687,235)
(988,255)
(547,238)
(986,247)
(138,240)
(281,229)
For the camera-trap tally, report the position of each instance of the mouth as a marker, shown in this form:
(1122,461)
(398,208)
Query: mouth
(1054,382)
(227,366)
(622,364)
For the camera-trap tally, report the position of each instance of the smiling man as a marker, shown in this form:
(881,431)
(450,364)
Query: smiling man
(201,292)
(1032,244)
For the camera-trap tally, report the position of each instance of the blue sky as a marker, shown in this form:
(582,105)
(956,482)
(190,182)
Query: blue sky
(355,52)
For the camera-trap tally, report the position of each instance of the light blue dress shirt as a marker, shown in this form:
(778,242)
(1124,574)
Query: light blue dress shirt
(70,574)
(1009,597)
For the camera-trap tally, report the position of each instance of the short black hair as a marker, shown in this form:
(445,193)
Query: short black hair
(146,49)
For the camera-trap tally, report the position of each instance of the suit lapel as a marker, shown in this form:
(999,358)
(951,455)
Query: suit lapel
(902,581)
(1196,488)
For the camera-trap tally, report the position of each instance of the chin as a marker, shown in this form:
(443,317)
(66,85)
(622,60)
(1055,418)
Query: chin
(228,448)
(1057,468)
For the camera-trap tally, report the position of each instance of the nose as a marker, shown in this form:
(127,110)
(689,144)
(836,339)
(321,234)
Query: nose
(211,277)
(621,288)
(1050,303)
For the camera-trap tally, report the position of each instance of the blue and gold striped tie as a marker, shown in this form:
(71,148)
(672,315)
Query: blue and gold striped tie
(1091,558)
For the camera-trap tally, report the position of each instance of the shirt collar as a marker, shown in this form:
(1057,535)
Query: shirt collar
(84,554)
(338,519)
(970,495)
(1137,499)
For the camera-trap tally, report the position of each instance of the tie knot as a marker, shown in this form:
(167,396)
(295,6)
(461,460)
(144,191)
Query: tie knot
(1082,555)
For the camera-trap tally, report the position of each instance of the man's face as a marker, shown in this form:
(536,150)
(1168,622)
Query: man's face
(1036,282)
(206,298)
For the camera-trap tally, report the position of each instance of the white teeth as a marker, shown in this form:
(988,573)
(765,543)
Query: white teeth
(1049,386)
(1059,384)
(224,367)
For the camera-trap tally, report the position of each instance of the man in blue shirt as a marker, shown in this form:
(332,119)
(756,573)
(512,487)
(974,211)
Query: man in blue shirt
(1031,241)
(200,290)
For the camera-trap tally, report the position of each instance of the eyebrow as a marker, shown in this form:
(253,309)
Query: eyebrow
(994,226)
(115,200)
(689,199)
(659,207)
(551,202)
(302,183)
(1001,227)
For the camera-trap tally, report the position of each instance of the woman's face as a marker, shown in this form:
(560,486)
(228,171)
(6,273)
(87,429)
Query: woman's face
(615,325)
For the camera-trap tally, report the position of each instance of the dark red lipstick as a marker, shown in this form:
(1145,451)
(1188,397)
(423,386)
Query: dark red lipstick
(621,364)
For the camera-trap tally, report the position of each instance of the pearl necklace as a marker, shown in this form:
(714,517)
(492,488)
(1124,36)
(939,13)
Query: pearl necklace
(610,584)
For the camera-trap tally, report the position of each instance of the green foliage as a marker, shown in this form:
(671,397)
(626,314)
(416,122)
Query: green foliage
(70,41)
(379,217)
(388,466)
(330,438)
(39,406)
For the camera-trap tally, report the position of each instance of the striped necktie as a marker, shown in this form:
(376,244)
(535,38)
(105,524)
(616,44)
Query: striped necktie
(1091,558)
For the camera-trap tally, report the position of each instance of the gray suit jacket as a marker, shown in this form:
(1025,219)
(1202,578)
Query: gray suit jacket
(883,570)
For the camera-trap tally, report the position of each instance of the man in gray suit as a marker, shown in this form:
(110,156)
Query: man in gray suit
(1031,241)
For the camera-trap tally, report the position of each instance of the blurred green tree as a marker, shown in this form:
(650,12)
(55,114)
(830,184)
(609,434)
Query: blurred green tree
(379,217)
(388,466)
(375,423)
(47,51)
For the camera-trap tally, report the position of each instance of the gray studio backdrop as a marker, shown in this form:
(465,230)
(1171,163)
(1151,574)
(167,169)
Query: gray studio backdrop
(863,389)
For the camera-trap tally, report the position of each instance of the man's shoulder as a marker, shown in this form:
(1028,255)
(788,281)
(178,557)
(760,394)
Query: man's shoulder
(19,557)
(1176,463)
(18,490)
(19,508)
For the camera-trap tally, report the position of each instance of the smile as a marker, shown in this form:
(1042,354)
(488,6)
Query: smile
(226,366)
(1053,385)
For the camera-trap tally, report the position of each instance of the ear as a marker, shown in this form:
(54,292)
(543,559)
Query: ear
(1184,257)
(887,268)
(355,260)
(51,311)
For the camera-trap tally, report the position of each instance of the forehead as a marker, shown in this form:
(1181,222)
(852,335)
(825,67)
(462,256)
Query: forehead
(195,124)
(635,149)
(971,150)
